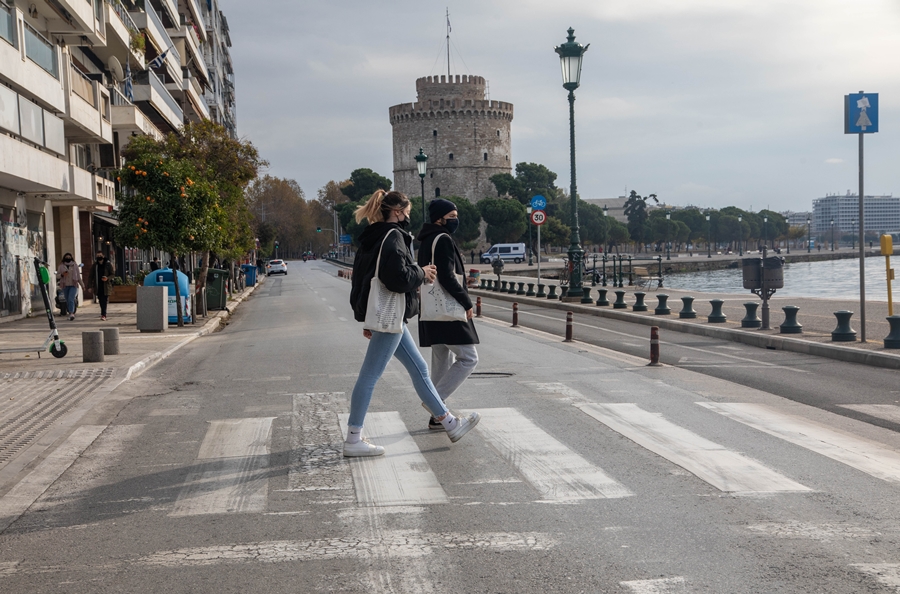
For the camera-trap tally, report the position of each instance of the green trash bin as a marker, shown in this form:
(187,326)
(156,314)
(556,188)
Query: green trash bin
(216,295)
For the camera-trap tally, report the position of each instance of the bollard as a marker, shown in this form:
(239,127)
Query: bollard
(340,273)
(843,332)
(639,304)
(521,290)
(488,284)
(541,294)
(687,312)
(110,341)
(515,323)
(569,325)
(530,292)
(654,346)
(478,307)
(92,347)
(552,294)
(503,288)
(751,320)
(716,317)
(662,308)
(563,291)
(790,325)
(483,281)
(496,286)
(892,340)
(619,303)
(586,295)
(601,298)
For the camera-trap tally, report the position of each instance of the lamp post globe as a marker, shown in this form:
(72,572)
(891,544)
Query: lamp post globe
(808,235)
(741,235)
(708,237)
(422,165)
(765,230)
(571,54)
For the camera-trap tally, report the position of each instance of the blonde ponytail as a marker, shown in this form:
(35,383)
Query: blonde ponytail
(374,210)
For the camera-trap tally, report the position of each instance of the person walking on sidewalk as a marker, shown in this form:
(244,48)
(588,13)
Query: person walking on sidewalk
(453,354)
(100,280)
(70,280)
(388,217)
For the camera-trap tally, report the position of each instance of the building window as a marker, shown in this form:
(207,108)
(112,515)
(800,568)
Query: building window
(485,156)
(40,51)
(432,174)
(498,133)
(507,157)
(434,132)
(7,24)
(437,192)
(451,156)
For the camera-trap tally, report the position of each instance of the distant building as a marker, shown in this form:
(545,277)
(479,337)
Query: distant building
(615,207)
(796,218)
(220,94)
(882,213)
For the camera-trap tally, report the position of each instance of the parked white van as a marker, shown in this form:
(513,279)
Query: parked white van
(507,252)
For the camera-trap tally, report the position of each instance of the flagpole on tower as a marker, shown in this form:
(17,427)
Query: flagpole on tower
(448,44)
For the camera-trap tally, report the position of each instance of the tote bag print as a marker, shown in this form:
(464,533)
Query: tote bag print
(437,304)
(384,309)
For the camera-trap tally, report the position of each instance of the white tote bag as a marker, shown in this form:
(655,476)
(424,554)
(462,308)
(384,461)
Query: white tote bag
(384,309)
(437,305)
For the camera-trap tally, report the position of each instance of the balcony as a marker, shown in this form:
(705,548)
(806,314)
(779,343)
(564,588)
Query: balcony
(192,95)
(87,110)
(82,16)
(120,28)
(156,102)
(28,74)
(189,46)
(150,22)
(127,119)
(31,136)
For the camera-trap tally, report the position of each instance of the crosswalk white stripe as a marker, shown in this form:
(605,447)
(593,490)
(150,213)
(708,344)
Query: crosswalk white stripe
(657,586)
(402,475)
(868,456)
(887,574)
(232,477)
(888,412)
(726,470)
(555,471)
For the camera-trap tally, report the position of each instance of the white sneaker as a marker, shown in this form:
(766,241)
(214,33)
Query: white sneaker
(362,448)
(463,426)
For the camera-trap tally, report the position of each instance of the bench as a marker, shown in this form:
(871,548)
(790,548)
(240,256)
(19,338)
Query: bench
(643,278)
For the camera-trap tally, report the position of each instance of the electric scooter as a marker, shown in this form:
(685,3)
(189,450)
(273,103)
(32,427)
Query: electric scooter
(57,347)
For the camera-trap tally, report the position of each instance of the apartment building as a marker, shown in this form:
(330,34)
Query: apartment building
(882,213)
(79,79)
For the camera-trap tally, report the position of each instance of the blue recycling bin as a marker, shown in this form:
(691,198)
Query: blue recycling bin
(163,278)
(249,274)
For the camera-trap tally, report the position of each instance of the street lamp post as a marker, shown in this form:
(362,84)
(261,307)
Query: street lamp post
(708,237)
(741,235)
(808,235)
(530,224)
(765,230)
(832,235)
(605,220)
(421,165)
(668,218)
(853,237)
(570,56)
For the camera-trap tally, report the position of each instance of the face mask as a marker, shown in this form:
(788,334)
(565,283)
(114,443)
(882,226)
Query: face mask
(452,225)
(404,223)
(100,259)
(67,260)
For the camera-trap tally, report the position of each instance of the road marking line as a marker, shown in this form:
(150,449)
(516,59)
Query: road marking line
(18,499)
(726,470)
(868,456)
(658,586)
(232,476)
(555,471)
(887,574)
(317,463)
(332,308)
(402,475)
(888,412)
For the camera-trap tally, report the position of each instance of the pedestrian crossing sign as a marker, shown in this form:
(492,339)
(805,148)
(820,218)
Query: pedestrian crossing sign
(861,113)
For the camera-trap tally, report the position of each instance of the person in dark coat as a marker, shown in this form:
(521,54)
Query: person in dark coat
(101,281)
(453,354)
(388,217)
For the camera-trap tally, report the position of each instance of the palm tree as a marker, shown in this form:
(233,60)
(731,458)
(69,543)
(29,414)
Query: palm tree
(636,211)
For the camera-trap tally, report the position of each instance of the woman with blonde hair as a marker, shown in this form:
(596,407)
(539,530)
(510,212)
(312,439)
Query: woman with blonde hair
(387,235)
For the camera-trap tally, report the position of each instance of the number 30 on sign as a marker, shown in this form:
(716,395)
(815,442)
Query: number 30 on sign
(538,217)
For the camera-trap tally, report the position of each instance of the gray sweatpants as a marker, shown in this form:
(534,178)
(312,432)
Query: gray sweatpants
(451,364)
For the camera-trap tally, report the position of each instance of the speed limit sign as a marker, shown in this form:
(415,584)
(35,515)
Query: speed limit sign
(538,217)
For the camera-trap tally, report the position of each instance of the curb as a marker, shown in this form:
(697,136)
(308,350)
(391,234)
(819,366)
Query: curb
(780,343)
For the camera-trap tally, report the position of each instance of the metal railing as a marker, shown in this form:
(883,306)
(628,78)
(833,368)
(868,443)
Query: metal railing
(120,10)
(40,50)
(117,96)
(7,24)
(82,85)
(149,77)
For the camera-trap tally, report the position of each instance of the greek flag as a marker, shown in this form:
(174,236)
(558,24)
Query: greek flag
(129,86)
(159,60)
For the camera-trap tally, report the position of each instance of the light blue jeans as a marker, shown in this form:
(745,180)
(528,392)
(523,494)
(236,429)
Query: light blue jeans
(383,346)
(71,294)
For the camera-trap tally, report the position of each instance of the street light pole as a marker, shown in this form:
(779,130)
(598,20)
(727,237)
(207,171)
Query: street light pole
(832,235)
(421,165)
(708,237)
(765,230)
(668,218)
(741,235)
(530,225)
(808,235)
(853,236)
(570,56)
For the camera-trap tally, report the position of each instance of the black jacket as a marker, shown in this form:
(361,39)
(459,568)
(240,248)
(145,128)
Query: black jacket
(398,271)
(449,261)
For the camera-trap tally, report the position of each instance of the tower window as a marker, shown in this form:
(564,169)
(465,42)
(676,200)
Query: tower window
(437,192)
(451,156)
(498,133)
(507,157)
(434,132)
(485,156)
(432,174)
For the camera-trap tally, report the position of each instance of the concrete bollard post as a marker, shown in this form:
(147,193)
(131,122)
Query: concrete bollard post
(639,304)
(110,341)
(513,290)
(751,320)
(687,311)
(521,289)
(478,307)
(530,292)
(892,340)
(654,346)
(515,323)
(601,298)
(92,347)
(790,325)
(482,283)
(843,332)
(496,286)
(716,317)
(541,294)
(569,326)
(586,295)
(619,303)
(662,308)
(503,288)
(552,294)
(489,284)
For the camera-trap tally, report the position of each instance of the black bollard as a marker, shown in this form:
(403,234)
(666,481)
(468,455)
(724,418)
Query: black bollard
(541,294)
(552,294)
(530,292)
(687,311)
(503,288)
(586,295)
(790,325)
(512,288)
(619,303)
(892,340)
(663,308)
(563,291)
(751,320)
(639,304)
(716,317)
(601,298)
(843,332)
(496,285)
(521,289)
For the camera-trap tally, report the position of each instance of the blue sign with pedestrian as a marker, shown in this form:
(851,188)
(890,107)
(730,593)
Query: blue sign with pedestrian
(538,202)
(861,113)
(345,240)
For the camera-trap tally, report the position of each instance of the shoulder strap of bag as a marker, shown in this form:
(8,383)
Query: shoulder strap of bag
(378,261)
(435,243)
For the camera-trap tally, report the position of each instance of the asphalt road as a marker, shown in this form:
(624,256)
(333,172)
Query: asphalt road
(219,470)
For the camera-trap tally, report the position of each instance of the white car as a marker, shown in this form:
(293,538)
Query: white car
(276,267)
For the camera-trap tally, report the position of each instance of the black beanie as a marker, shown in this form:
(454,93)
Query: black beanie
(439,207)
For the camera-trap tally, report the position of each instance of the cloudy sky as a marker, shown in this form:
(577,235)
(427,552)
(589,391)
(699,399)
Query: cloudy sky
(705,102)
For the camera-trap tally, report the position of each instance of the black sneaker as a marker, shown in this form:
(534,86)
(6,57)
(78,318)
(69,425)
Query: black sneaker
(435,425)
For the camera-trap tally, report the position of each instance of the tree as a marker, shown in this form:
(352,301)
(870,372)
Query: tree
(531,180)
(636,211)
(280,205)
(469,222)
(618,234)
(505,219)
(363,183)
(555,233)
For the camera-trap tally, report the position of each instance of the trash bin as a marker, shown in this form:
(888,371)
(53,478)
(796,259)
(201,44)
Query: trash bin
(249,274)
(164,278)
(773,272)
(754,269)
(216,295)
(752,273)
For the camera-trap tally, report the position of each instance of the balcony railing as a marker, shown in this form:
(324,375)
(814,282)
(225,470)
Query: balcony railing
(118,97)
(151,13)
(40,51)
(7,24)
(120,10)
(83,86)
(149,77)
